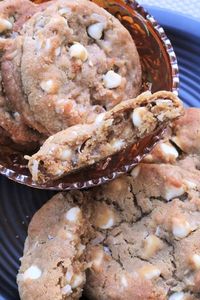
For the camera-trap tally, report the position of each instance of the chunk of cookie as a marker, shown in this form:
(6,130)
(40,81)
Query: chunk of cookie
(53,265)
(183,138)
(13,15)
(186,134)
(83,145)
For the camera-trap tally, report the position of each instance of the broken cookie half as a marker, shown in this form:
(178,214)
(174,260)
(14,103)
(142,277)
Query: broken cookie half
(83,145)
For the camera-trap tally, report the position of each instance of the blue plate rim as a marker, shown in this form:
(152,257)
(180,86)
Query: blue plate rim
(180,21)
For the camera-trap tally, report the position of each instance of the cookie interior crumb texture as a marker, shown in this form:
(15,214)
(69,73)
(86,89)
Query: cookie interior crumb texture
(62,63)
(123,126)
(142,238)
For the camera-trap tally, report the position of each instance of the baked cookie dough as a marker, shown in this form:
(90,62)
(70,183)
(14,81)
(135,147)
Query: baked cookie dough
(183,136)
(186,133)
(154,256)
(149,248)
(143,229)
(124,125)
(71,62)
(13,14)
(53,265)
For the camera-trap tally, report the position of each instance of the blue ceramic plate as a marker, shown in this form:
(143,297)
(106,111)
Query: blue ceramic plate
(184,33)
(18,203)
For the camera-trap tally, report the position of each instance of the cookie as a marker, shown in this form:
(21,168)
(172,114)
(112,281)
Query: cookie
(146,258)
(77,60)
(83,145)
(13,15)
(182,137)
(186,132)
(53,265)
(142,232)
(150,249)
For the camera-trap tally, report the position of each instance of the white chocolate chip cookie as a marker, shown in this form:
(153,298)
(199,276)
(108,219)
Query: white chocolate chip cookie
(141,238)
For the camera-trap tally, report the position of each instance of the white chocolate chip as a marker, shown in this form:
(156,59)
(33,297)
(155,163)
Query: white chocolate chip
(12,19)
(67,290)
(161,117)
(104,217)
(70,236)
(177,296)
(48,86)
(95,31)
(112,80)
(78,51)
(117,144)
(58,172)
(34,169)
(169,150)
(32,273)
(68,276)
(105,45)
(107,250)
(48,44)
(99,118)
(152,244)
(195,261)
(5,25)
(158,231)
(180,228)
(90,63)
(149,272)
(189,280)
(38,44)
(138,116)
(58,51)
(51,149)
(173,192)
(17,116)
(77,280)
(190,184)
(73,214)
(135,172)
(64,11)
(107,225)
(66,154)
(97,259)
(60,106)
(81,249)
(124,281)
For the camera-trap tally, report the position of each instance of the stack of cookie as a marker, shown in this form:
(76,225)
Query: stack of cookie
(137,237)
(62,63)
(71,74)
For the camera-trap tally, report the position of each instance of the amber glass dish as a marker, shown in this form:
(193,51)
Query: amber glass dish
(160,72)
